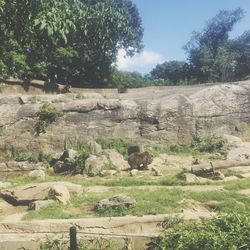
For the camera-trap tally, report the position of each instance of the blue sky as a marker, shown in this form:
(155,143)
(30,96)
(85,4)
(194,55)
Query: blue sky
(168,25)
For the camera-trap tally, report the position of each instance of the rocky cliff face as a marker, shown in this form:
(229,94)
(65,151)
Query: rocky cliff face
(164,115)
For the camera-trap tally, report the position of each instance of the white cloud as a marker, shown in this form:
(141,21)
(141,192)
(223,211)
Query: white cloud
(138,62)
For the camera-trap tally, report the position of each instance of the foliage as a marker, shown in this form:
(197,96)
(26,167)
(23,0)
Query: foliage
(121,79)
(39,156)
(212,56)
(207,144)
(119,144)
(67,40)
(220,233)
(173,71)
(46,116)
(77,165)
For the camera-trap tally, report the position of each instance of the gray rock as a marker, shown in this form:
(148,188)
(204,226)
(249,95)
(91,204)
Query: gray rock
(59,192)
(116,159)
(191,178)
(116,201)
(134,172)
(22,166)
(94,164)
(37,174)
(4,184)
(217,175)
(94,147)
(3,167)
(24,195)
(166,115)
(36,205)
(239,152)
(60,167)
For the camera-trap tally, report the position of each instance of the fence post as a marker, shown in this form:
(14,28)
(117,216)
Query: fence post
(73,241)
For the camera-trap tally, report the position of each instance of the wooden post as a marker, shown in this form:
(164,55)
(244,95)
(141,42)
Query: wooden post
(73,240)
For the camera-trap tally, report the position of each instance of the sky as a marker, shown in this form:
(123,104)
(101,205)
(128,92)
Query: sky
(168,26)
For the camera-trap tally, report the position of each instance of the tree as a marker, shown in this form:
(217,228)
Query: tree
(173,71)
(208,50)
(74,38)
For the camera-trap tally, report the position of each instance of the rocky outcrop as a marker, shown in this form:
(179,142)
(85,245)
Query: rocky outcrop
(167,115)
(24,195)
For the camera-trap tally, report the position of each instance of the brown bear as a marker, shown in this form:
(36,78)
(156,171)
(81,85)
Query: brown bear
(139,160)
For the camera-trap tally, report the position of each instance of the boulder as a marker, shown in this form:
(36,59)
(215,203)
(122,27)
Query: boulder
(116,159)
(239,153)
(37,174)
(59,192)
(157,172)
(191,178)
(217,175)
(94,164)
(94,147)
(4,184)
(24,195)
(36,205)
(134,172)
(119,200)
(60,167)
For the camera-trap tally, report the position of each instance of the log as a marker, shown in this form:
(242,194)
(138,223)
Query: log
(210,167)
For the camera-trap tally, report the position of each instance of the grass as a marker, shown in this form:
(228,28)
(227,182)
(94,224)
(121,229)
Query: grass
(149,201)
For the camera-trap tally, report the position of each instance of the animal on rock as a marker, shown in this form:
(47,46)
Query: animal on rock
(139,160)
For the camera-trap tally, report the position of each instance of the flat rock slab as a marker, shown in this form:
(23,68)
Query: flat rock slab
(24,195)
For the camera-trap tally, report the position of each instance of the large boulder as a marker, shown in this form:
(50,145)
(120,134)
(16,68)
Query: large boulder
(24,195)
(116,159)
(37,205)
(94,164)
(59,192)
(37,175)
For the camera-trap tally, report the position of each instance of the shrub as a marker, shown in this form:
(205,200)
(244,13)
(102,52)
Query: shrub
(46,116)
(40,156)
(207,144)
(119,144)
(220,233)
(77,165)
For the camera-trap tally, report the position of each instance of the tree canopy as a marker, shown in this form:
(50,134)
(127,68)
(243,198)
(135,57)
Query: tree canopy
(212,56)
(73,39)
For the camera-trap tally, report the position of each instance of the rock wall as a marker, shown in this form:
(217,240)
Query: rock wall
(163,116)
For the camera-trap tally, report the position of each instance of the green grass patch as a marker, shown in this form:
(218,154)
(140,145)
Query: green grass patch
(149,201)
(53,211)
(238,184)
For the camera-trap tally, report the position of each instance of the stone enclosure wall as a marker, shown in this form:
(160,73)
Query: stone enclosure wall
(165,115)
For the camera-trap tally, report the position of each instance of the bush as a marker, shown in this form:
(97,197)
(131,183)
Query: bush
(46,116)
(224,232)
(207,144)
(119,144)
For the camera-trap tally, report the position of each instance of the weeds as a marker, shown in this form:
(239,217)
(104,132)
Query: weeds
(119,144)
(40,156)
(46,116)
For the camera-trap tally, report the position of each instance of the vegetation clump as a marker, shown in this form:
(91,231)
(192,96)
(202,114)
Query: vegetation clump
(119,144)
(46,116)
(220,233)
(207,144)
